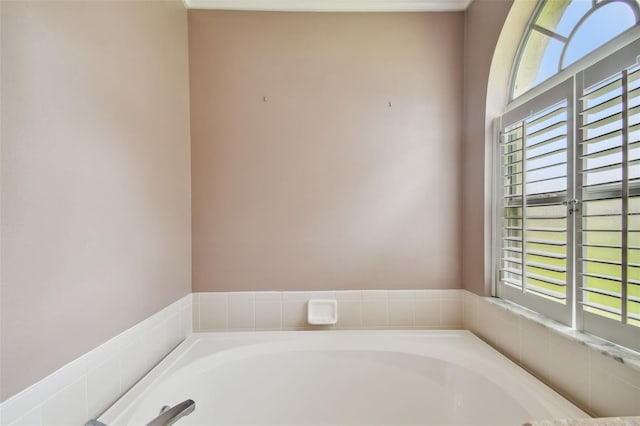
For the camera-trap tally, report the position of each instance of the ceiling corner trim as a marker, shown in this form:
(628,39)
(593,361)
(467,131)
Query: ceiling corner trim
(332,5)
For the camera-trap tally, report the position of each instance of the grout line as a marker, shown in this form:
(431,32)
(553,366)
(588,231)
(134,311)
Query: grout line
(253,311)
(86,396)
(199,314)
(589,374)
(388,310)
(226,302)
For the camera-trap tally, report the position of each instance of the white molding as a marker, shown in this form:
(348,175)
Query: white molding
(333,5)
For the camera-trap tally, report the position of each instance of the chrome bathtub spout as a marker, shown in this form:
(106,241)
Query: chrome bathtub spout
(171,415)
(168,415)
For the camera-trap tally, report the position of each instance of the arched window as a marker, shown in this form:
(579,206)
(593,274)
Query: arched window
(563,31)
(568,169)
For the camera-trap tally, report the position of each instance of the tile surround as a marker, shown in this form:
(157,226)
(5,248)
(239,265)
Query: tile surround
(85,387)
(592,375)
(366,309)
(601,378)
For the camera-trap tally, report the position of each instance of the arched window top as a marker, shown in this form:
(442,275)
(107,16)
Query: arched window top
(563,31)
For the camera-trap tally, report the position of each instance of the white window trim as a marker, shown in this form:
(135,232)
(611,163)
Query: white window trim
(600,53)
(597,55)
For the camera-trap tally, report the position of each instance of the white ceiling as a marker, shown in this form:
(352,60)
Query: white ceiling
(333,5)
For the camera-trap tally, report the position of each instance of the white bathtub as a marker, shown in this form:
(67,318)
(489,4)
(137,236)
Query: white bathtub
(340,378)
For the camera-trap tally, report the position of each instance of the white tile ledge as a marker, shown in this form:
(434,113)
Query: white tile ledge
(618,353)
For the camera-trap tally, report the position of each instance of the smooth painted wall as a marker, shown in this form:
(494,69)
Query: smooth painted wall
(325,150)
(484,20)
(95,175)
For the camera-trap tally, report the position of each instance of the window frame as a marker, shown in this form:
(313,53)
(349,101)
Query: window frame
(563,73)
(571,88)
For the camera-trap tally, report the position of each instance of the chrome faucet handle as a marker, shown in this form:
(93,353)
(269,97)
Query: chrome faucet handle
(168,415)
(171,415)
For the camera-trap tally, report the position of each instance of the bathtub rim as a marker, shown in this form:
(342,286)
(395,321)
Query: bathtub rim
(121,411)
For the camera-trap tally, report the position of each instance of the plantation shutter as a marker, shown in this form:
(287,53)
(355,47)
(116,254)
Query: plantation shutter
(608,264)
(568,177)
(536,164)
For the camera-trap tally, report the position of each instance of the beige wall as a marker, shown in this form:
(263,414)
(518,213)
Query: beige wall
(95,175)
(484,21)
(320,184)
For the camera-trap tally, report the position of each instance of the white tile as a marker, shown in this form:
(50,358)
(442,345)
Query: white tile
(67,407)
(492,325)
(617,369)
(375,294)
(401,294)
(186,322)
(149,323)
(195,317)
(132,335)
(427,312)
(132,363)
(167,337)
(349,295)
(163,314)
(306,295)
(174,331)
(186,301)
(273,296)
(294,314)
(63,377)
(486,324)
(240,297)
(427,294)
(375,312)
(19,405)
(268,315)
(240,314)
(155,341)
(102,353)
(213,316)
(507,328)
(349,313)
(451,312)
(454,293)
(611,396)
(103,386)
(401,312)
(295,295)
(326,294)
(469,310)
(568,373)
(32,418)
(535,350)
(213,297)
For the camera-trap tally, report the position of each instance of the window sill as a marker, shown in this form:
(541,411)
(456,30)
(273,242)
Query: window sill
(618,353)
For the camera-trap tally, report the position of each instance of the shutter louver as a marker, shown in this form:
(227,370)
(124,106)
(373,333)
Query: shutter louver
(545,214)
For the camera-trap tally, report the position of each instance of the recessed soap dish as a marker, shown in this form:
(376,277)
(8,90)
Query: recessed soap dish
(322,311)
